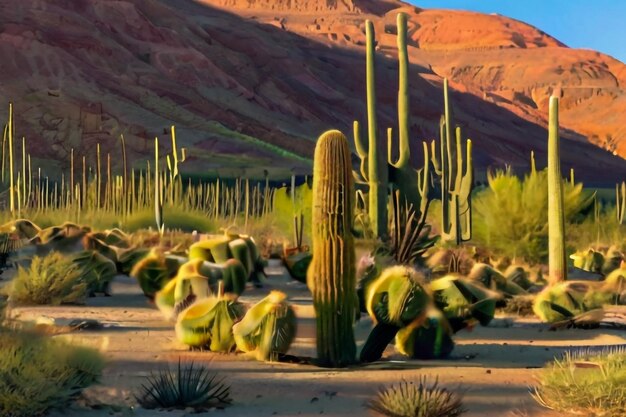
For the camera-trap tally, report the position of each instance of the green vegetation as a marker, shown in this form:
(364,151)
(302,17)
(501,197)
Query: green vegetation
(331,276)
(587,383)
(511,215)
(268,328)
(187,386)
(38,374)
(417,399)
(54,279)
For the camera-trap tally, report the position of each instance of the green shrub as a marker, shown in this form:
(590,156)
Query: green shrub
(585,383)
(511,216)
(54,279)
(417,399)
(39,373)
(188,386)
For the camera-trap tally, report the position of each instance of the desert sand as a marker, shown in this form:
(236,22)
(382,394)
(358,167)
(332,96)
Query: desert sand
(494,365)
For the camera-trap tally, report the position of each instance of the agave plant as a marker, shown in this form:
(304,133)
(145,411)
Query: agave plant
(187,386)
(463,301)
(395,299)
(208,323)
(417,399)
(268,328)
(409,234)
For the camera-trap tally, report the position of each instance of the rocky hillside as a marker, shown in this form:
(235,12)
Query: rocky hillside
(250,84)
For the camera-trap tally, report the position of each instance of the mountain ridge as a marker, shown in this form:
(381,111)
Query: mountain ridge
(251,89)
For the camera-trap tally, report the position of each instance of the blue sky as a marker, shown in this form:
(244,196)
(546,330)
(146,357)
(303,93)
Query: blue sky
(591,24)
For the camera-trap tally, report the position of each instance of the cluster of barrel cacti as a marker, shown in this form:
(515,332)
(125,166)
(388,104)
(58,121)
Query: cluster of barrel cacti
(422,316)
(100,255)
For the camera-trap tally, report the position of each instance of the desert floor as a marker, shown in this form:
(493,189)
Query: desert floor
(494,365)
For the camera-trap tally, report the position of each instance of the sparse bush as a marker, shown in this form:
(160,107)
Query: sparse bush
(188,386)
(511,216)
(53,279)
(416,399)
(38,373)
(585,383)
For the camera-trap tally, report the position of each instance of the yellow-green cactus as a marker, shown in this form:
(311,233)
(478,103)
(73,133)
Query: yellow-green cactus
(331,276)
(268,328)
(209,323)
(431,339)
(188,286)
(394,300)
(463,301)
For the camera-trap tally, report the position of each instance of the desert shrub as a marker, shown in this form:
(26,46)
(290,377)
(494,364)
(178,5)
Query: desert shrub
(416,399)
(39,373)
(174,219)
(53,279)
(187,386)
(585,383)
(511,216)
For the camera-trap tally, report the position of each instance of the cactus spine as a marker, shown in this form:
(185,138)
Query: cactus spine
(331,276)
(556,217)
(375,174)
(456,183)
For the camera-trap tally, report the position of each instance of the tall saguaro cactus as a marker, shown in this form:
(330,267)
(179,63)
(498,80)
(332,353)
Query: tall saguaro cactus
(331,275)
(620,201)
(556,217)
(375,173)
(457,178)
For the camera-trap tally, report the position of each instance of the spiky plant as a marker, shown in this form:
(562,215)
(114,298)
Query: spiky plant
(396,299)
(53,279)
(586,382)
(187,386)
(268,328)
(417,399)
(409,234)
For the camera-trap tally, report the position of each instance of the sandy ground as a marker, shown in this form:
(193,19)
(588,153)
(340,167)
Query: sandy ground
(494,365)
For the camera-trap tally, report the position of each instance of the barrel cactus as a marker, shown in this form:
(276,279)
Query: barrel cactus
(208,323)
(494,280)
(567,299)
(463,301)
(188,286)
(331,275)
(431,339)
(155,270)
(394,300)
(219,249)
(268,328)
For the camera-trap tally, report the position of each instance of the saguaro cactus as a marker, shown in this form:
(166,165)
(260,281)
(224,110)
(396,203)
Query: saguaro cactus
(373,163)
(457,178)
(620,201)
(556,217)
(331,276)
